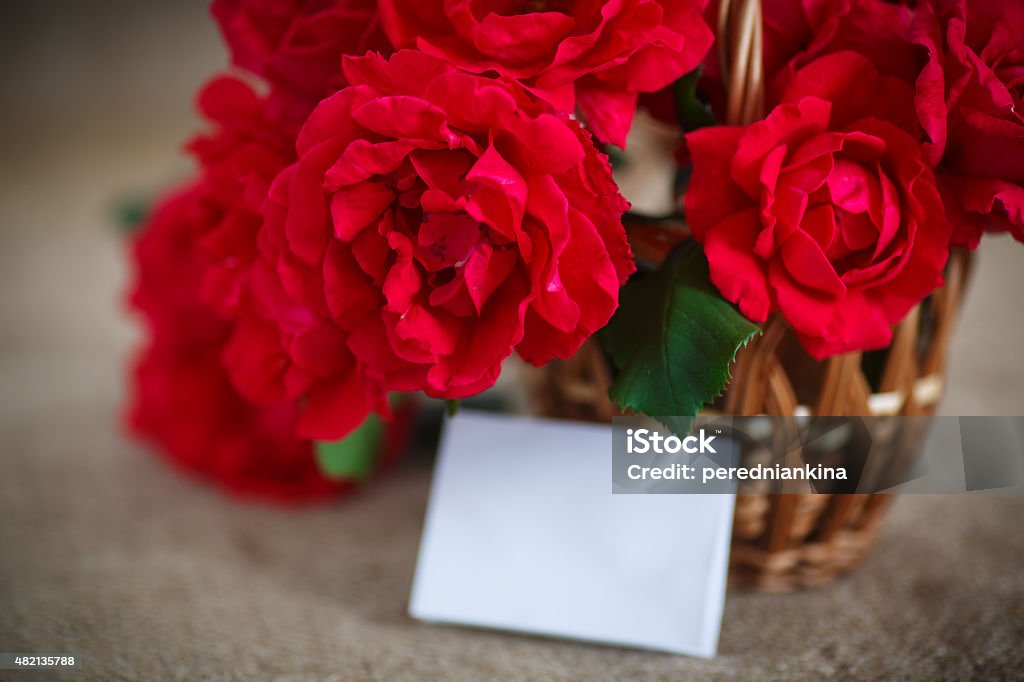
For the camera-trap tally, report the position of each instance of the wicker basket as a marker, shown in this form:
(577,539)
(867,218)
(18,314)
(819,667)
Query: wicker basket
(781,542)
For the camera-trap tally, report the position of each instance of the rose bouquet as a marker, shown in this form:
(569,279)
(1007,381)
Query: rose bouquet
(397,196)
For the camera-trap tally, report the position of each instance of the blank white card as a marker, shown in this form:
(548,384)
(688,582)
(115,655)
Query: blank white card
(523,533)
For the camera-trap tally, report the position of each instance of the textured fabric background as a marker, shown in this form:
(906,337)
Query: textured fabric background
(106,553)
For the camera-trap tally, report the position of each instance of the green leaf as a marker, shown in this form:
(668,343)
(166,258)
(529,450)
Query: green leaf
(673,339)
(353,455)
(130,213)
(692,112)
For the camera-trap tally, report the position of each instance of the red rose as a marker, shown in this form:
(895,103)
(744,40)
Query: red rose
(182,400)
(435,221)
(796,32)
(184,404)
(284,352)
(239,158)
(825,210)
(296,45)
(165,255)
(879,30)
(594,55)
(982,171)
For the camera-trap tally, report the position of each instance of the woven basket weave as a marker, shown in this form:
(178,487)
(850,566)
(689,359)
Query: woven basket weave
(781,542)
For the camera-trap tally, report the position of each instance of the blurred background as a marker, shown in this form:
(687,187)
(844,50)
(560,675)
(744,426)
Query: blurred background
(108,554)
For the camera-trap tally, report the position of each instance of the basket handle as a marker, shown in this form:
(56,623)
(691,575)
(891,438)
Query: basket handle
(740,56)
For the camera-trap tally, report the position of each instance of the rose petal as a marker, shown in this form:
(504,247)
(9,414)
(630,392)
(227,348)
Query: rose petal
(355,207)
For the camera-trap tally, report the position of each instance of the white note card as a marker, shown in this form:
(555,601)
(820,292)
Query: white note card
(523,533)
